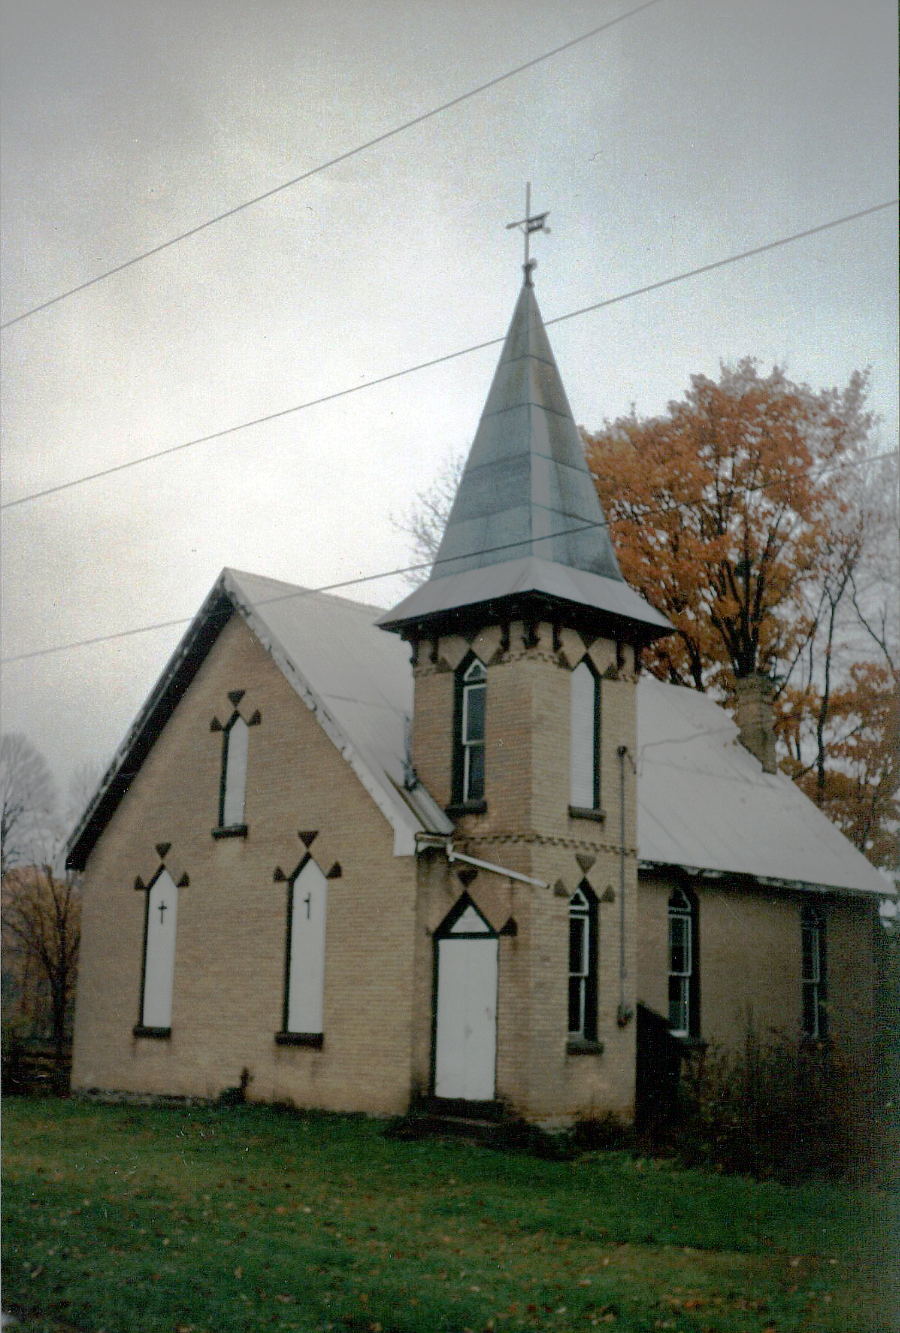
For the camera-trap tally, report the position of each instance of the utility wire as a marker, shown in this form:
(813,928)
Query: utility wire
(323,166)
(439,360)
(305,592)
(366,578)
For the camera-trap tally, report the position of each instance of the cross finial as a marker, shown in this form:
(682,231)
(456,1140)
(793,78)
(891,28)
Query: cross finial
(529,223)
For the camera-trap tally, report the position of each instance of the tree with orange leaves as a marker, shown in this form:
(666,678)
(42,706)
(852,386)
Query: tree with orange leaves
(722,514)
(743,515)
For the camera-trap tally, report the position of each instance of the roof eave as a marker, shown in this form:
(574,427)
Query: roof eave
(770,881)
(177,675)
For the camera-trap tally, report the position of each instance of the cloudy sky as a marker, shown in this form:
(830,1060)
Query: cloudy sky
(687,132)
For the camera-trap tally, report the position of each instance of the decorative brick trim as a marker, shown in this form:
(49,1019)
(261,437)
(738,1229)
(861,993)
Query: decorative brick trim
(542,840)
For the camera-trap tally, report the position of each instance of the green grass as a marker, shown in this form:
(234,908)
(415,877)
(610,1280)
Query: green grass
(149,1220)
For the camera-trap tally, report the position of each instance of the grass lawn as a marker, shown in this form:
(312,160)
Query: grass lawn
(148,1220)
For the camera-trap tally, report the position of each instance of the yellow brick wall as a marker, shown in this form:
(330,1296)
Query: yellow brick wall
(384,910)
(230,950)
(527,828)
(750,962)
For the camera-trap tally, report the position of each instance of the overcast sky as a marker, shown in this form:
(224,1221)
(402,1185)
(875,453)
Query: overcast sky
(688,132)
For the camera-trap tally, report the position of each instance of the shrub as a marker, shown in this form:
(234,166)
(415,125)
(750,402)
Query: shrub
(776,1110)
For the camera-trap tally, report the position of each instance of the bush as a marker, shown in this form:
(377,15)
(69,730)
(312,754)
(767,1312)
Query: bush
(777,1110)
(602,1133)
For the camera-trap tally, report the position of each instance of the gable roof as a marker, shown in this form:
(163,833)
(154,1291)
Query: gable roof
(704,802)
(356,680)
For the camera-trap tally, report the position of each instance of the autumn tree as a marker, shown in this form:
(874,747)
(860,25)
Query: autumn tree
(722,512)
(746,514)
(41,921)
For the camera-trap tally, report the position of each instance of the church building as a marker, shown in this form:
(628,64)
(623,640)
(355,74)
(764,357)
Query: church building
(443,854)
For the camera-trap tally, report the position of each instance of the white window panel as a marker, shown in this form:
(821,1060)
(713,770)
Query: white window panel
(235,776)
(306,964)
(159,955)
(583,738)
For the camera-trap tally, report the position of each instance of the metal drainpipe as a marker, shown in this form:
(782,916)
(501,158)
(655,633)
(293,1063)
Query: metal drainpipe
(624,1014)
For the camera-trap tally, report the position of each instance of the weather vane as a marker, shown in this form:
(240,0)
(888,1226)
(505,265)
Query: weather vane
(529,223)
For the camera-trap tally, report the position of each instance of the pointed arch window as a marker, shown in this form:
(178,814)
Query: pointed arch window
(304,966)
(812,938)
(469,765)
(233,772)
(235,746)
(684,1007)
(158,967)
(583,941)
(584,741)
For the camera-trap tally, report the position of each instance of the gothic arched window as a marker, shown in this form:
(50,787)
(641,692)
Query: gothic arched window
(812,939)
(158,969)
(684,993)
(468,758)
(584,739)
(234,773)
(304,969)
(583,964)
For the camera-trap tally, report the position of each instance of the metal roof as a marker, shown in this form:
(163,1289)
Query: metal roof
(526,493)
(705,803)
(526,577)
(703,800)
(526,475)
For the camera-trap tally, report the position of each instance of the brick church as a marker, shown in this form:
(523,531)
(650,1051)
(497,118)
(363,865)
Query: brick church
(450,851)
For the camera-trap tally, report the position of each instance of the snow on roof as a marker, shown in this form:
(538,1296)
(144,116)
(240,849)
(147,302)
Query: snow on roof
(704,802)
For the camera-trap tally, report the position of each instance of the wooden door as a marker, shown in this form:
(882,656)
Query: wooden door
(466,1021)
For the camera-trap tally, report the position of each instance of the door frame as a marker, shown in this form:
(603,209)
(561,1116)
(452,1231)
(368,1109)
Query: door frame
(444,932)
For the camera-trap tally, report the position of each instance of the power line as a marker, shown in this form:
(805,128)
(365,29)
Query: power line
(302,592)
(334,161)
(363,578)
(440,360)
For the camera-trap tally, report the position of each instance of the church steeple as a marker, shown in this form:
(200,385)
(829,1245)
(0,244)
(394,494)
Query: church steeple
(526,525)
(526,480)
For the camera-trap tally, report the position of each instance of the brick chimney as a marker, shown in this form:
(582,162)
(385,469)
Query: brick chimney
(755,717)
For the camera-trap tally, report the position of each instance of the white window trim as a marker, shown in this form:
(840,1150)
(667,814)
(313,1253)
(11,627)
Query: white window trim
(580,910)
(236,746)
(812,928)
(160,938)
(584,739)
(475,678)
(683,913)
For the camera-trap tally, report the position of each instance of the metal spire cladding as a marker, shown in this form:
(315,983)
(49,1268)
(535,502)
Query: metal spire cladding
(526,479)
(526,490)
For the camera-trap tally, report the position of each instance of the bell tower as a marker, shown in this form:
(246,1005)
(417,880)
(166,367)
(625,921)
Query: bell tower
(525,642)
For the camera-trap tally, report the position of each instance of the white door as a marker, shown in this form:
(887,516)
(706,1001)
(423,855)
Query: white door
(466,1028)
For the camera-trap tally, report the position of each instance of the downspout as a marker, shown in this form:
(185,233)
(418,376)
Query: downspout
(624,1013)
(444,843)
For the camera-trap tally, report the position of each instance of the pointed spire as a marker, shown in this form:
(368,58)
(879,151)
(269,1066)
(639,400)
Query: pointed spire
(526,527)
(526,480)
